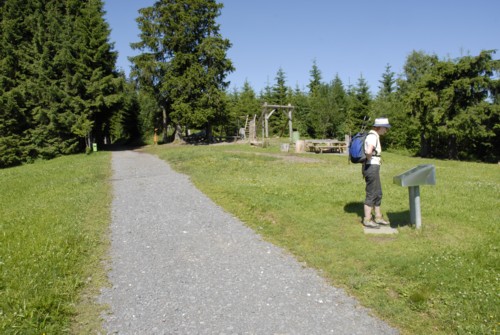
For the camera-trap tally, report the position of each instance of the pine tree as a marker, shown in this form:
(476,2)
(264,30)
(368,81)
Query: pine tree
(56,75)
(249,104)
(315,81)
(360,102)
(328,105)
(50,133)
(387,83)
(323,108)
(451,103)
(243,104)
(96,81)
(300,102)
(183,61)
(279,95)
(339,96)
(124,122)
(279,90)
(17,31)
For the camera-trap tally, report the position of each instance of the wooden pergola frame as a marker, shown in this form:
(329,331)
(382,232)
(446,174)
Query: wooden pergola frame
(287,109)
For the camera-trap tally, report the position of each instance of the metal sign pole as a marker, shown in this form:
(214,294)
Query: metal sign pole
(415,214)
(424,174)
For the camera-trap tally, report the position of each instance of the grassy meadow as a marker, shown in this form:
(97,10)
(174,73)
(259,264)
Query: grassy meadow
(441,279)
(54,216)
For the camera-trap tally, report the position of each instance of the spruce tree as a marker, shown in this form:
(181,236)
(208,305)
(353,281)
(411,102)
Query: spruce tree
(315,80)
(56,76)
(183,63)
(124,122)
(50,133)
(339,95)
(360,102)
(17,31)
(452,104)
(247,105)
(278,94)
(387,83)
(280,90)
(96,80)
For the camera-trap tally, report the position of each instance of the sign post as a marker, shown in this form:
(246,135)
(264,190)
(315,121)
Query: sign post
(420,175)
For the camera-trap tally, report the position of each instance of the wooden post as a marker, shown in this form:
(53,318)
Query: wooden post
(288,110)
(265,132)
(266,125)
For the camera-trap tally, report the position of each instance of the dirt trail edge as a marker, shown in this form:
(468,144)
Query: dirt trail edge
(181,265)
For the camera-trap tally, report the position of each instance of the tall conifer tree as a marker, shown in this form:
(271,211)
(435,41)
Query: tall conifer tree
(17,31)
(57,77)
(97,81)
(315,80)
(183,61)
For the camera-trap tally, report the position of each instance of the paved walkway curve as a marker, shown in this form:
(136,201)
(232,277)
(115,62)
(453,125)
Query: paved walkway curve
(181,265)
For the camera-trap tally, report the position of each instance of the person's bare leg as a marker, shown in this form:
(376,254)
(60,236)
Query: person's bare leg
(379,218)
(368,212)
(367,220)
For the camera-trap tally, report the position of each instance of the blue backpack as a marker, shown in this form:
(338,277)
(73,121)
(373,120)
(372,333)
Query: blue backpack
(357,144)
(357,148)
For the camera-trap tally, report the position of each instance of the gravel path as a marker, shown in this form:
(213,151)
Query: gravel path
(181,265)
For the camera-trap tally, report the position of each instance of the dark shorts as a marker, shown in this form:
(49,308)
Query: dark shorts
(371,173)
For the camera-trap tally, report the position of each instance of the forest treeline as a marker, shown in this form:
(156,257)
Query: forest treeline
(60,90)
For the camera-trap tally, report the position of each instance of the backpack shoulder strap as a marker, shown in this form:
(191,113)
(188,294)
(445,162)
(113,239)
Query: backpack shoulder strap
(372,132)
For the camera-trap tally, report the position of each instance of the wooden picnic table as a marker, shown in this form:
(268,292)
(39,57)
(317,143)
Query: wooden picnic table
(321,146)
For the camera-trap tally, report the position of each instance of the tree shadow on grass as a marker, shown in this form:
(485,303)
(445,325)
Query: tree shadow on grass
(121,147)
(397,219)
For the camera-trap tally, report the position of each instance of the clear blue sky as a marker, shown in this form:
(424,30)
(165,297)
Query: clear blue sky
(349,38)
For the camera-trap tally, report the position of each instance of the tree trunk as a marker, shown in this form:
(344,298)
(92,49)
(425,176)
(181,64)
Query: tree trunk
(177,133)
(164,125)
(425,145)
(209,133)
(452,147)
(88,140)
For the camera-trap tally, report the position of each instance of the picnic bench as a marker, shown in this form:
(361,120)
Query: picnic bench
(321,146)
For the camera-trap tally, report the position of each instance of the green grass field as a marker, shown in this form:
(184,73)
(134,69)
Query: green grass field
(441,279)
(54,216)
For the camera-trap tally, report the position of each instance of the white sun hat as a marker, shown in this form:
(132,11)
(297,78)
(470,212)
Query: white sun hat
(382,122)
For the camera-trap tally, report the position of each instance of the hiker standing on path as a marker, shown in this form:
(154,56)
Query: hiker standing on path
(371,173)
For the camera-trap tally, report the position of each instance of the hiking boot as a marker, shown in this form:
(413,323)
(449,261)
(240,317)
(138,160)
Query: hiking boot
(370,224)
(381,221)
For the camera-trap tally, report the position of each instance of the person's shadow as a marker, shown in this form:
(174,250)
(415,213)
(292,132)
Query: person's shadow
(397,219)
